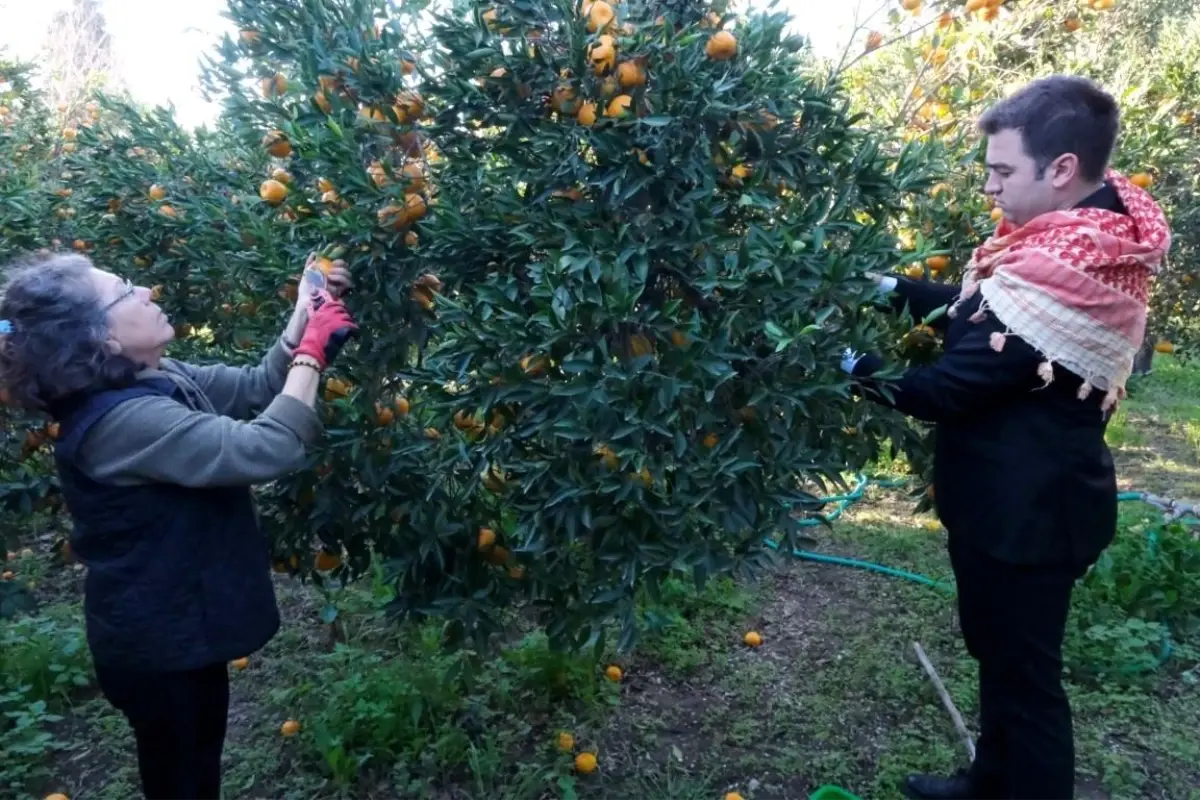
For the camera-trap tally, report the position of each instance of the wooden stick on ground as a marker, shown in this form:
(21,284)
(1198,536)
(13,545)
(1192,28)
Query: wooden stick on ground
(959,725)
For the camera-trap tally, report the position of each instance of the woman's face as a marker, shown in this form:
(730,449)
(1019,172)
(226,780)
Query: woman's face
(138,328)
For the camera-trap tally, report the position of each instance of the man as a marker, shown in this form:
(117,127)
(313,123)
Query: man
(1038,345)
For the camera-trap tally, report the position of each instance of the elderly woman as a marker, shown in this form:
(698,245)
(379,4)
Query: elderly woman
(156,459)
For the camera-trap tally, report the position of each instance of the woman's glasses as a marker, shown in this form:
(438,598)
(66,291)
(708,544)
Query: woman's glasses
(129,291)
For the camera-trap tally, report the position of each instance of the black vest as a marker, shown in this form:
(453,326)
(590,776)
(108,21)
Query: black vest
(178,578)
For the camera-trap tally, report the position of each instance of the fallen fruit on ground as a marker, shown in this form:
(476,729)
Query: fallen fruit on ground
(752,639)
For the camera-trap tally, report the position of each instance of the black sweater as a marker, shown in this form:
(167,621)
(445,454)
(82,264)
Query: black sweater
(1021,471)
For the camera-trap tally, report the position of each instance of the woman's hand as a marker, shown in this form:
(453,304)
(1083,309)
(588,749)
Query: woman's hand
(337,282)
(330,327)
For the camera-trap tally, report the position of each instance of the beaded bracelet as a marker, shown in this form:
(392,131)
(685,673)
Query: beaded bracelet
(302,361)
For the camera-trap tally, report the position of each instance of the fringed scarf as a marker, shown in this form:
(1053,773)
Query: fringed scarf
(1075,284)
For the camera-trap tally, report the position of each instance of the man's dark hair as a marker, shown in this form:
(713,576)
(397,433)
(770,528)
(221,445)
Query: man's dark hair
(1057,115)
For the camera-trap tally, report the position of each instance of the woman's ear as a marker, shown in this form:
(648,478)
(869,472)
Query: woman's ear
(113,346)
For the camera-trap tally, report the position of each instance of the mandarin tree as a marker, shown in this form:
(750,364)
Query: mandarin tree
(652,227)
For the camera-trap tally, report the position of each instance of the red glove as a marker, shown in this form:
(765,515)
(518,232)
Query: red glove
(329,326)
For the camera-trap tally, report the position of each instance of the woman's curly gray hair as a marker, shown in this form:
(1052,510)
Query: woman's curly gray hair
(58,343)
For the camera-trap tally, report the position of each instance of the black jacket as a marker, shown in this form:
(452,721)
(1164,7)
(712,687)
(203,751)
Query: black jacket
(178,577)
(1021,472)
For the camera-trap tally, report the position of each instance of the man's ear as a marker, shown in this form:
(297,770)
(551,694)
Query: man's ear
(1063,170)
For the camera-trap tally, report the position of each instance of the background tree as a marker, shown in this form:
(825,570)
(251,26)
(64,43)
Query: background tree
(78,59)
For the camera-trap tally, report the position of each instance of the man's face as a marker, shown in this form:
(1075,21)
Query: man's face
(1013,180)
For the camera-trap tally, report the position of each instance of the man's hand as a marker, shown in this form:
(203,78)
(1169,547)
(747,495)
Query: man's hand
(886,283)
(849,360)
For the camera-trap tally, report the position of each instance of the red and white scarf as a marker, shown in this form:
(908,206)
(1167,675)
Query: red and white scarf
(1075,284)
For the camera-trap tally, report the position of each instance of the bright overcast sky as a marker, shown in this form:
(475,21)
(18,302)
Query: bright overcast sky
(158,43)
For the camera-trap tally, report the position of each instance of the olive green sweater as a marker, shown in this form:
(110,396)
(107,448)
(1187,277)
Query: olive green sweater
(235,429)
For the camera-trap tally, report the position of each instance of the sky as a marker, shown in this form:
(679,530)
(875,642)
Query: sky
(158,43)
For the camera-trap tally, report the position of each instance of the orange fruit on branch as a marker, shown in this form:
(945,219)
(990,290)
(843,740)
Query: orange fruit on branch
(586,763)
(378,174)
(271,191)
(753,639)
(274,86)
(414,173)
(485,539)
(384,416)
(157,192)
(722,46)
(533,366)
(1143,180)
(603,54)
(599,16)
(335,387)
(630,75)
(276,143)
(620,106)
(289,728)
(326,561)
(409,106)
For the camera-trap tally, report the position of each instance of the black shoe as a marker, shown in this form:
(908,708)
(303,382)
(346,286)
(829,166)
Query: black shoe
(932,787)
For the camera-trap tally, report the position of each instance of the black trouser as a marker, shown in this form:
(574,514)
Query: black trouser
(178,720)
(1013,620)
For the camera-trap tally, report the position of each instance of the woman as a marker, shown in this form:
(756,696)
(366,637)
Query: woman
(156,459)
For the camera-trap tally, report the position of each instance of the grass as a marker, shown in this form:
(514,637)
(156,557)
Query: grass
(834,696)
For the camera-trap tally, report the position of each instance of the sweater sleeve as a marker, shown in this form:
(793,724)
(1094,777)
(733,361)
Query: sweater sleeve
(922,298)
(241,392)
(970,376)
(157,439)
